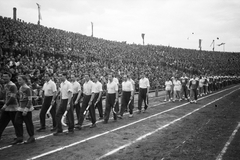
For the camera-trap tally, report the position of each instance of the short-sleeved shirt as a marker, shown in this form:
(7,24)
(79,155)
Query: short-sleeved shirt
(112,87)
(65,88)
(168,85)
(49,88)
(144,83)
(76,87)
(127,86)
(97,87)
(87,88)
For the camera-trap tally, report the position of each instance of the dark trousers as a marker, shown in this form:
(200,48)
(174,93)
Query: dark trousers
(46,104)
(19,119)
(76,107)
(142,96)
(5,118)
(91,109)
(98,105)
(193,94)
(109,105)
(70,119)
(124,102)
(185,91)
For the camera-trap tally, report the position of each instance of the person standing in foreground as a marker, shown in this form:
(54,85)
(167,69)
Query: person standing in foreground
(97,90)
(193,86)
(127,94)
(112,98)
(9,108)
(49,94)
(24,113)
(76,90)
(65,104)
(144,86)
(88,96)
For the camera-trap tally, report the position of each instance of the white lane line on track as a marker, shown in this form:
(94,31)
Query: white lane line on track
(35,122)
(124,126)
(165,126)
(220,156)
(88,124)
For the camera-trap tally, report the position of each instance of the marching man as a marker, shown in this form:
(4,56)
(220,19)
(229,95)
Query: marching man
(144,86)
(49,94)
(112,98)
(127,94)
(65,105)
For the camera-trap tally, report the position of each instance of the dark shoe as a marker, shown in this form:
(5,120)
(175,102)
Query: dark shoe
(120,117)
(144,110)
(30,140)
(100,118)
(139,111)
(53,129)
(69,132)
(79,127)
(57,133)
(105,122)
(41,129)
(93,125)
(17,141)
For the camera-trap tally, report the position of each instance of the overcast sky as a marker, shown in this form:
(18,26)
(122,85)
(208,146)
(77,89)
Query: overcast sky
(164,22)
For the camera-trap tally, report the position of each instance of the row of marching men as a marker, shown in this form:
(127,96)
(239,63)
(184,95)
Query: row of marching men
(19,110)
(185,88)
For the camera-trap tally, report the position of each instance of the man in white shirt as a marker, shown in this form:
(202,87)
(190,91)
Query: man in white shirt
(127,94)
(49,93)
(76,90)
(88,96)
(144,86)
(66,100)
(112,98)
(131,106)
(97,90)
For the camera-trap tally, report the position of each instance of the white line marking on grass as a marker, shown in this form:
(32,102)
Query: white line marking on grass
(124,126)
(165,126)
(220,156)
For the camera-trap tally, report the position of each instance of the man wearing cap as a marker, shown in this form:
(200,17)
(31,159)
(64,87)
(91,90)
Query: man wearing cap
(88,96)
(65,105)
(49,93)
(144,86)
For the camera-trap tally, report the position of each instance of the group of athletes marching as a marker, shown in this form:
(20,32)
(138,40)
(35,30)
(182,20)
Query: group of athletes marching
(18,103)
(185,88)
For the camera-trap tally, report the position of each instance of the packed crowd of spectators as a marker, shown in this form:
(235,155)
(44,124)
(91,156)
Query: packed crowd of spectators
(31,49)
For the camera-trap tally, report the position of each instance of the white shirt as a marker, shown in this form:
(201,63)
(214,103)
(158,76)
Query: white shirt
(201,82)
(76,87)
(49,88)
(97,87)
(112,87)
(65,87)
(177,85)
(87,88)
(144,83)
(168,85)
(115,80)
(127,86)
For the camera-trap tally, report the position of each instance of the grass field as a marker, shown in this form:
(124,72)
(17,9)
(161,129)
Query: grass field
(167,131)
